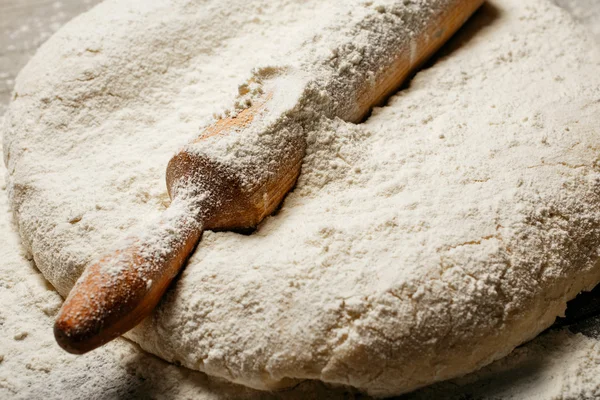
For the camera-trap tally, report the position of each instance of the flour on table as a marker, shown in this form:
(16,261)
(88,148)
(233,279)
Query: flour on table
(557,365)
(585,11)
(38,368)
(423,244)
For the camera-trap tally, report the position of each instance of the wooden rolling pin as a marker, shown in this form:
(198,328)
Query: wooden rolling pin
(239,170)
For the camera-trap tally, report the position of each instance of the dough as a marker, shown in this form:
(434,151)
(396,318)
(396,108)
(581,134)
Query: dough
(450,227)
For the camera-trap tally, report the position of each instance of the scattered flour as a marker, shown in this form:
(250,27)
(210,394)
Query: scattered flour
(32,366)
(23,29)
(336,156)
(585,11)
(557,366)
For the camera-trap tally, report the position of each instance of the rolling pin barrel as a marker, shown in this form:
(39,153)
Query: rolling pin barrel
(244,164)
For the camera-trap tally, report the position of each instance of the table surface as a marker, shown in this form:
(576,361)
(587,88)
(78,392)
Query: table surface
(26,24)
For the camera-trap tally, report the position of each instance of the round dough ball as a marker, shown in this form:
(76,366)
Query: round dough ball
(450,227)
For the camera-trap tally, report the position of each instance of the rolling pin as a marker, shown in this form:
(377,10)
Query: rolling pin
(240,168)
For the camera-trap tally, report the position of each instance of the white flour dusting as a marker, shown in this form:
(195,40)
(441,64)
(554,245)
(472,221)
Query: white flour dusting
(336,160)
(585,11)
(32,366)
(556,366)
(24,28)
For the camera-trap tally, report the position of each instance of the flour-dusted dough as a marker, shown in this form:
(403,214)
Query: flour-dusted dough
(449,228)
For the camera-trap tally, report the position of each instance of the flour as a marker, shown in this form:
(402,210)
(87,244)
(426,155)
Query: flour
(561,365)
(557,365)
(586,11)
(487,243)
(32,366)
(24,34)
